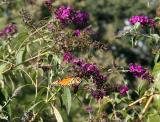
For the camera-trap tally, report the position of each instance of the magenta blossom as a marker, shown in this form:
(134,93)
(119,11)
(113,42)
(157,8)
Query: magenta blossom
(98,94)
(67,15)
(78,62)
(123,90)
(77,32)
(68,57)
(87,69)
(8,30)
(136,70)
(64,14)
(139,72)
(143,20)
(81,17)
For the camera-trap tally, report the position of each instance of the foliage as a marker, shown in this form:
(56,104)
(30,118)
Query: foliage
(54,69)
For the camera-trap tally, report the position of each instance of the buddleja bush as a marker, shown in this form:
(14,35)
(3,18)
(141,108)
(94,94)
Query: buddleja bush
(43,77)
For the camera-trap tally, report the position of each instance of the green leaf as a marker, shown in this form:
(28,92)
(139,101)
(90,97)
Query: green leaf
(3,67)
(3,117)
(137,26)
(20,55)
(142,87)
(156,58)
(66,97)
(16,43)
(157,101)
(1,84)
(57,115)
(153,118)
(156,74)
(157,19)
(34,105)
(156,37)
(5,94)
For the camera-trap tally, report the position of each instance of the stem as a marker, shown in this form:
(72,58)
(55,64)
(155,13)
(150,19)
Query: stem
(36,87)
(6,61)
(136,101)
(10,99)
(31,58)
(29,76)
(31,35)
(25,61)
(146,106)
(47,94)
(46,103)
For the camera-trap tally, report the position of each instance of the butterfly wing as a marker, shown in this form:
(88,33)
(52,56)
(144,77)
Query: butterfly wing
(66,81)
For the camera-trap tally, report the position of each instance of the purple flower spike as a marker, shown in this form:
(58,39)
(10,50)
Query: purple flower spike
(139,72)
(68,57)
(98,94)
(136,70)
(87,70)
(92,69)
(77,32)
(64,14)
(85,66)
(143,20)
(8,30)
(81,17)
(11,28)
(78,62)
(123,90)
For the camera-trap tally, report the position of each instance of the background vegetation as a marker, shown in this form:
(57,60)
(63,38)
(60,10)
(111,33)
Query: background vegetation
(31,60)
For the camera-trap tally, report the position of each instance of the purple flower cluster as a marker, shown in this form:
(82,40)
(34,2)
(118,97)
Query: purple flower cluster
(89,71)
(68,15)
(98,94)
(86,68)
(139,72)
(80,17)
(86,31)
(67,57)
(136,70)
(123,90)
(64,14)
(143,20)
(77,32)
(8,30)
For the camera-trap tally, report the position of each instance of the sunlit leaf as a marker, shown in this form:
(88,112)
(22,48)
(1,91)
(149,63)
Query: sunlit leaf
(153,118)
(156,73)
(57,115)
(34,105)
(17,42)
(137,26)
(3,68)
(20,55)
(66,97)
(157,101)
(156,37)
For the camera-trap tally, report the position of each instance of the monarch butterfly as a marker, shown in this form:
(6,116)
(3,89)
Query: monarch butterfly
(68,81)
